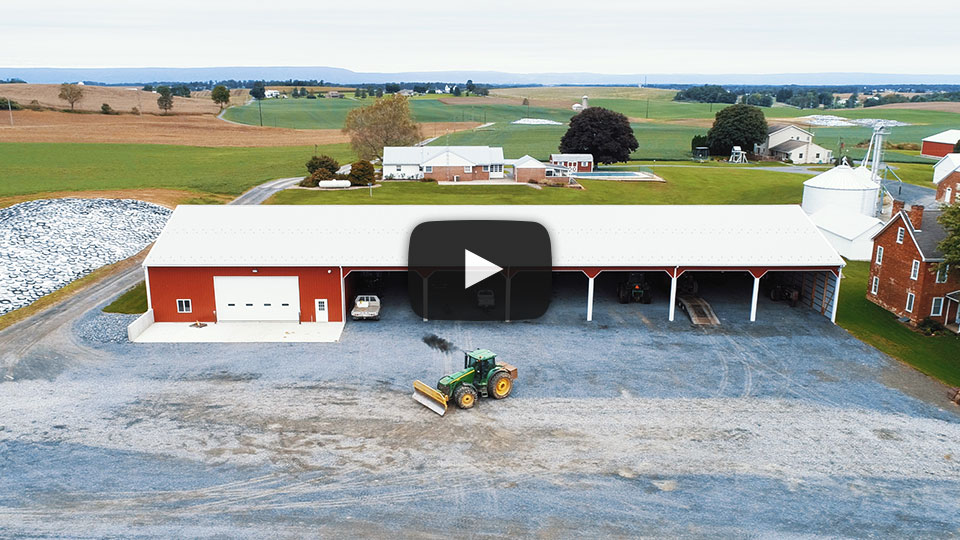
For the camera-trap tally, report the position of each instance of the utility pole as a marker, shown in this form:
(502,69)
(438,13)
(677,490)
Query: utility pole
(648,108)
(10,110)
(260,108)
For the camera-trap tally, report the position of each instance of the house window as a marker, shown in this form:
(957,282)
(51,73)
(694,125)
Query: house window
(800,156)
(583,163)
(900,233)
(942,273)
(937,308)
(879,259)
(428,168)
(184,306)
(910,299)
(818,155)
(467,168)
(486,168)
(399,168)
(875,286)
(915,270)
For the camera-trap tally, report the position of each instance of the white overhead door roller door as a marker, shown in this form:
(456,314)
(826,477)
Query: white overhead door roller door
(257,298)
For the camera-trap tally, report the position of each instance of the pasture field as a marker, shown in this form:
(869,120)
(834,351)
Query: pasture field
(657,141)
(330,113)
(32,169)
(684,185)
(574,93)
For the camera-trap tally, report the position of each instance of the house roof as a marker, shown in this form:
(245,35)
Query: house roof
(950,136)
(947,164)
(926,239)
(774,128)
(416,155)
(788,146)
(581,235)
(844,178)
(526,162)
(844,223)
(571,157)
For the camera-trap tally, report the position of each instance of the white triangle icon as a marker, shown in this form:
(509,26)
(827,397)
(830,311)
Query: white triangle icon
(476,269)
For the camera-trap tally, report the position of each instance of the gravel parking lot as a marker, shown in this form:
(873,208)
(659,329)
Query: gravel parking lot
(630,425)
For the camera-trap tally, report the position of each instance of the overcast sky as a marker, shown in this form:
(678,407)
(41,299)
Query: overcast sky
(691,36)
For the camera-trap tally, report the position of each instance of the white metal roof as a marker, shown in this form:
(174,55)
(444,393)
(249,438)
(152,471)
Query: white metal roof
(946,165)
(950,136)
(571,157)
(527,162)
(417,155)
(594,235)
(844,223)
(843,177)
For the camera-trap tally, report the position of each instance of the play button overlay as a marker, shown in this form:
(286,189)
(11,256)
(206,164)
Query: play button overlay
(476,269)
(479,270)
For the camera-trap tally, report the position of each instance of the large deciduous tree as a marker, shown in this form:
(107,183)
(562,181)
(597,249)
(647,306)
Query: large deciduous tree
(950,246)
(71,93)
(259,91)
(165,101)
(602,133)
(736,125)
(220,95)
(387,122)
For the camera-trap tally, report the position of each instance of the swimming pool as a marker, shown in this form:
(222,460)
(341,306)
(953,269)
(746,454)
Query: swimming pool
(635,176)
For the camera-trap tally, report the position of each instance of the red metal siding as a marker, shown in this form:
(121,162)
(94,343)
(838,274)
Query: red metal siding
(167,285)
(936,149)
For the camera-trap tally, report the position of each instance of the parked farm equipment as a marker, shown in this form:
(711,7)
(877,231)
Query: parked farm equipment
(635,289)
(481,375)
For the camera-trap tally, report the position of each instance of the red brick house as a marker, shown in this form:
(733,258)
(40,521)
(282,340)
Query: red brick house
(904,278)
(575,162)
(948,187)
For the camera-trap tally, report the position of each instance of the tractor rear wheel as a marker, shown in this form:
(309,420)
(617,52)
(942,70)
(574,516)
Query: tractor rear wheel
(499,385)
(465,396)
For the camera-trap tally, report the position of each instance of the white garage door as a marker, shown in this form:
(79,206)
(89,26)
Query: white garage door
(257,298)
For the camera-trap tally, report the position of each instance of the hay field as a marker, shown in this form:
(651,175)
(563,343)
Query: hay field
(121,99)
(942,106)
(205,130)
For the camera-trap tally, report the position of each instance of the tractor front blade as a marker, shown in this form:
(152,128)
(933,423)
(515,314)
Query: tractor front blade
(429,398)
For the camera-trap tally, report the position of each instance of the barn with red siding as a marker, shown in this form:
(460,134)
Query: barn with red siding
(292,268)
(941,144)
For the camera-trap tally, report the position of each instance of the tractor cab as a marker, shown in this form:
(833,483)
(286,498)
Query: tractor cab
(481,360)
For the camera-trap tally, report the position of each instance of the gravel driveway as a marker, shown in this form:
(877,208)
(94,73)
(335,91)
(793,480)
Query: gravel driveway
(630,425)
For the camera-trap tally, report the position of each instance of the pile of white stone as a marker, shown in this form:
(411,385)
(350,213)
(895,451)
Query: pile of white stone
(829,120)
(46,244)
(536,122)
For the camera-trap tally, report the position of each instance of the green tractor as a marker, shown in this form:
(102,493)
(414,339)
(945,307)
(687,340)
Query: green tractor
(481,375)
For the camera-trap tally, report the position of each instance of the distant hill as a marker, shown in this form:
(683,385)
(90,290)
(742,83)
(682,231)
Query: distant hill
(346,76)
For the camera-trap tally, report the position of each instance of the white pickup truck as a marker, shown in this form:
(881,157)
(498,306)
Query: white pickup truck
(366,307)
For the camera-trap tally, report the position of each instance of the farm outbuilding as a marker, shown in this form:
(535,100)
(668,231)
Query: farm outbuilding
(941,144)
(289,268)
(844,202)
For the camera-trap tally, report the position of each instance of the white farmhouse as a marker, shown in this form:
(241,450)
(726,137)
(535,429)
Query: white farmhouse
(793,143)
(443,163)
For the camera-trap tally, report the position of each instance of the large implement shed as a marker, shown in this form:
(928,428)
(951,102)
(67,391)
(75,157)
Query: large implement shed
(301,265)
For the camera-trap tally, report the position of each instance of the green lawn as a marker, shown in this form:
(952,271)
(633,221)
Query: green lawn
(657,141)
(133,301)
(43,167)
(937,356)
(685,185)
